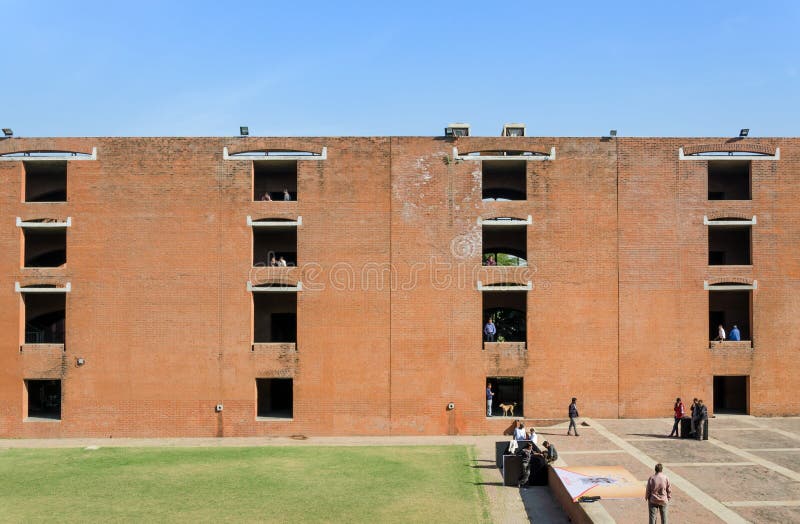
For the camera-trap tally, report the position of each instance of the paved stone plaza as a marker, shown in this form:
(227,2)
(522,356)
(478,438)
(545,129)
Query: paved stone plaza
(748,471)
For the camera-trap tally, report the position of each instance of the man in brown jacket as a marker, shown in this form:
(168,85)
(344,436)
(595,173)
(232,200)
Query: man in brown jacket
(658,495)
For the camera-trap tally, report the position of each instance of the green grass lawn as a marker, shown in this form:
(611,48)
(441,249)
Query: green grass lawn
(274,484)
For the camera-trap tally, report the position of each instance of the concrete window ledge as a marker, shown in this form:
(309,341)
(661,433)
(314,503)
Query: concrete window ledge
(41,419)
(736,344)
(41,347)
(274,346)
(273,419)
(508,346)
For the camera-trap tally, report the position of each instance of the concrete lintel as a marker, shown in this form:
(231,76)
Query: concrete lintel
(267,289)
(776,156)
(19,289)
(527,158)
(274,223)
(496,222)
(729,287)
(715,223)
(273,158)
(50,158)
(526,287)
(45,225)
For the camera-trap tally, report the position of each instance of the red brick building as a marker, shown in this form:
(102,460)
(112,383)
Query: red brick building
(137,295)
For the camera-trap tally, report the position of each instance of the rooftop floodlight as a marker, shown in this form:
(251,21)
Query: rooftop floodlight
(8,132)
(456,130)
(513,130)
(613,132)
(743,133)
(244,131)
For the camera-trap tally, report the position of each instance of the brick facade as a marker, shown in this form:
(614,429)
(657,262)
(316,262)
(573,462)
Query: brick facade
(389,316)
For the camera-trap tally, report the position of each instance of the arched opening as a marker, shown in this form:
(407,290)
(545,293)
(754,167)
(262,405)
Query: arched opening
(730,311)
(45,315)
(505,245)
(504,180)
(507,311)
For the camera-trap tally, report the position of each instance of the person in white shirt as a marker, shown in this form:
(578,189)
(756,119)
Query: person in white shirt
(720,334)
(520,433)
(532,436)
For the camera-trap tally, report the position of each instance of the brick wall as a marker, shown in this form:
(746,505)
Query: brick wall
(389,320)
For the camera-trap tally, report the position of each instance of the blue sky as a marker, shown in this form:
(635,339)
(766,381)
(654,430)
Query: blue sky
(702,68)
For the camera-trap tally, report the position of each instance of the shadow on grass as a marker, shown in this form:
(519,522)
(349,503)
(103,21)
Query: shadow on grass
(488,483)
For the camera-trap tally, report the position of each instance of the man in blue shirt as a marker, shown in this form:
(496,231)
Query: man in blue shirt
(489,330)
(489,395)
(734,334)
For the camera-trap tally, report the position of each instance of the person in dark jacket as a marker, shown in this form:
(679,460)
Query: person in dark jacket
(573,414)
(526,454)
(702,419)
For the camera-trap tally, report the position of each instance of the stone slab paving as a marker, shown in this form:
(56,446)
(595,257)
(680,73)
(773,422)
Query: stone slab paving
(783,514)
(731,477)
(787,458)
(669,451)
(748,439)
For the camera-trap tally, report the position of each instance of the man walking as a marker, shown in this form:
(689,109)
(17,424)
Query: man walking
(489,396)
(658,495)
(680,411)
(573,414)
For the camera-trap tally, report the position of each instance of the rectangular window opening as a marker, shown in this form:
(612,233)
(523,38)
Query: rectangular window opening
(729,180)
(45,247)
(729,246)
(45,315)
(275,246)
(274,317)
(732,394)
(274,398)
(275,180)
(508,396)
(45,181)
(507,312)
(505,246)
(730,309)
(504,179)
(44,399)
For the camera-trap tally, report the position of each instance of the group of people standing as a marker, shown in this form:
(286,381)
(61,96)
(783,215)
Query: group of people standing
(699,417)
(266,197)
(733,336)
(534,458)
(277,262)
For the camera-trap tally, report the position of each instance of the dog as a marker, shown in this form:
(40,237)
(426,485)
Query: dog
(508,409)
